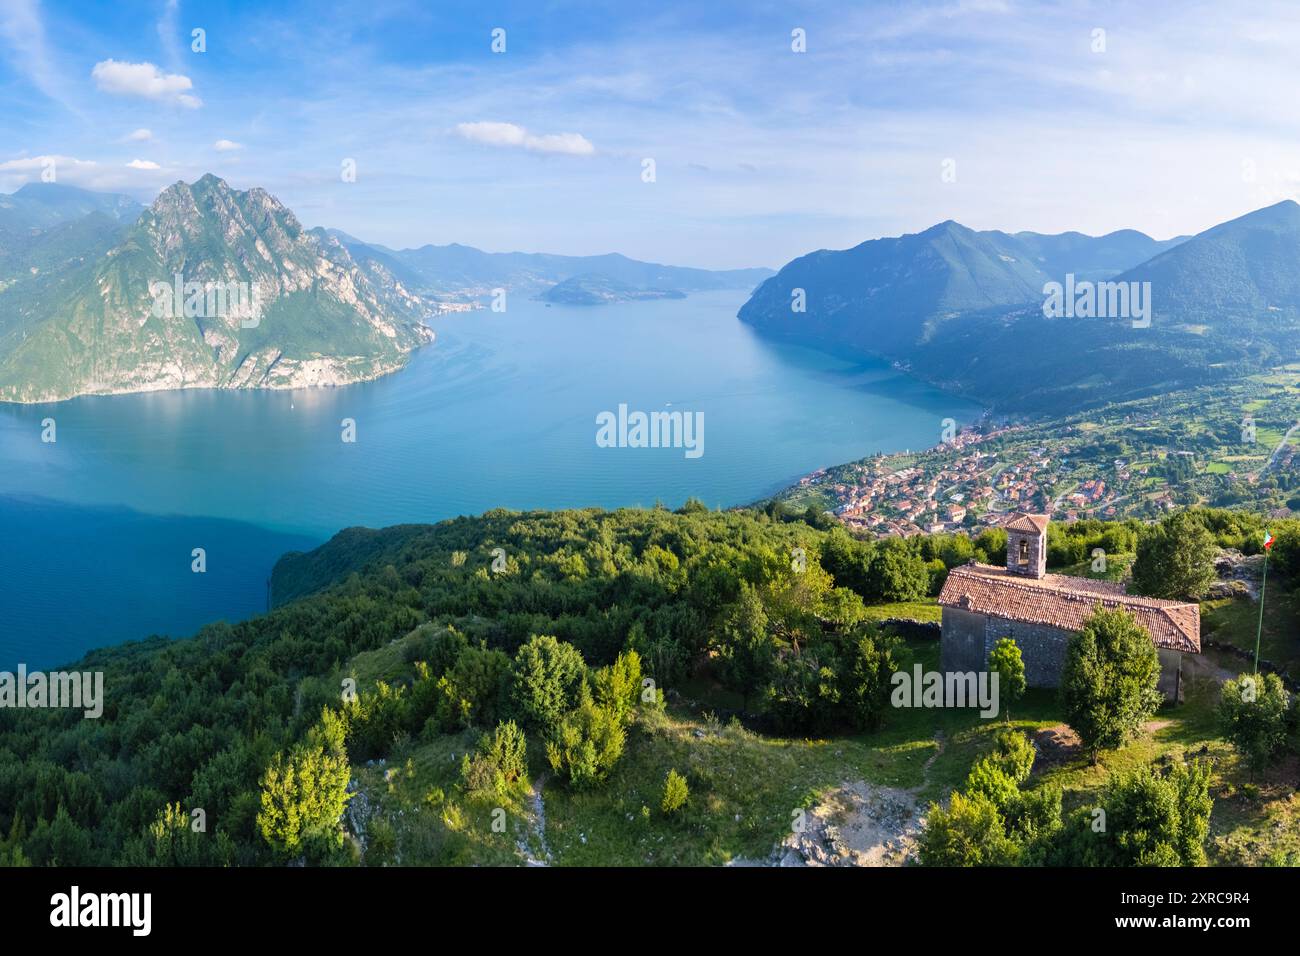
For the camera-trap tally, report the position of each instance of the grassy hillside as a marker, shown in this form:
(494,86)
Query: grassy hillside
(419,623)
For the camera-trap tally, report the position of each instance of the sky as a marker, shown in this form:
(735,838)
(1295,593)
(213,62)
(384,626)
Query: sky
(1164,117)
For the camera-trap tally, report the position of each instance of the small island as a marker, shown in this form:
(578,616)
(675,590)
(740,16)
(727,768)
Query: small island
(595,289)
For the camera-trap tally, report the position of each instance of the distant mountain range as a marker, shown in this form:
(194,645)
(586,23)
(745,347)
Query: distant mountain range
(42,205)
(965,309)
(214,287)
(466,272)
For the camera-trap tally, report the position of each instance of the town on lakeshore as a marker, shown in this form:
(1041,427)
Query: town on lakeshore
(1139,459)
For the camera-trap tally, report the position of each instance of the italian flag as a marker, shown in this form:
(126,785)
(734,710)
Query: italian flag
(1268,541)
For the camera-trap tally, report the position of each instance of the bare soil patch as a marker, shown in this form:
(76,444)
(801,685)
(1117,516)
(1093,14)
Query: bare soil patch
(1056,746)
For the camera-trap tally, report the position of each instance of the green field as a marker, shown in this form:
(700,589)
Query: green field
(925,610)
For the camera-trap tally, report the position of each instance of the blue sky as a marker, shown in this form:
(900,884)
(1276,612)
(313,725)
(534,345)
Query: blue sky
(1184,117)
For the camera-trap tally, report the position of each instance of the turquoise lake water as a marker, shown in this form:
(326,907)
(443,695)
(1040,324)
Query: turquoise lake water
(97,529)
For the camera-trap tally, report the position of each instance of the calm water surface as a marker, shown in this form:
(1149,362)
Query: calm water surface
(96,530)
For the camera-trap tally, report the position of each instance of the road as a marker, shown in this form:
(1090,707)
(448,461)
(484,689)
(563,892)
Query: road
(1278,450)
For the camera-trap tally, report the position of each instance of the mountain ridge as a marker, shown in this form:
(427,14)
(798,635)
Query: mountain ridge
(307,314)
(458,269)
(965,309)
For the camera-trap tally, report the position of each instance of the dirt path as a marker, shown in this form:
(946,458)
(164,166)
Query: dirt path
(536,828)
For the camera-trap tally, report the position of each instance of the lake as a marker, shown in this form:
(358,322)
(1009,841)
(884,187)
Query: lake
(99,526)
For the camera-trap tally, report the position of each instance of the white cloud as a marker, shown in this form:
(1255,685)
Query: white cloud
(226,146)
(140,178)
(140,136)
(167,29)
(34,169)
(574,144)
(146,81)
(36,164)
(511,135)
(493,134)
(23,33)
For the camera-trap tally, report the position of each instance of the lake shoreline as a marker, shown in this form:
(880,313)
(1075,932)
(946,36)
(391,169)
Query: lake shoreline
(503,413)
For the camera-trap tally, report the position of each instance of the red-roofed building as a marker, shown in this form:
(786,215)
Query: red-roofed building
(982,604)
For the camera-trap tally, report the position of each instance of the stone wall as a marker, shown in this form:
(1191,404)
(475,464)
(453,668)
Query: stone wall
(1042,648)
(967,638)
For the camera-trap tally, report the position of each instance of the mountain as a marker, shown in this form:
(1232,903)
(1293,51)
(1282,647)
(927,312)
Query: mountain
(1245,268)
(36,255)
(46,227)
(965,309)
(209,287)
(468,272)
(601,290)
(42,205)
(1090,257)
(887,293)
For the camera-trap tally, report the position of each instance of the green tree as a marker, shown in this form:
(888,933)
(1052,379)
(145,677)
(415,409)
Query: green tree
(304,794)
(618,686)
(1146,818)
(871,660)
(896,574)
(847,559)
(548,676)
(676,793)
(1108,684)
(501,760)
(1255,717)
(587,743)
(968,832)
(747,650)
(795,602)
(1175,559)
(1006,661)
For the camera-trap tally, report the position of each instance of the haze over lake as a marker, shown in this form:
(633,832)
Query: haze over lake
(500,412)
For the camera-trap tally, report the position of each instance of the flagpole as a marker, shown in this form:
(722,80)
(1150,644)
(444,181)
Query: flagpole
(1260,629)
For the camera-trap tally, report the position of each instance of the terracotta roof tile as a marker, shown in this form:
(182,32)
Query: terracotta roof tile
(1034,524)
(1066,602)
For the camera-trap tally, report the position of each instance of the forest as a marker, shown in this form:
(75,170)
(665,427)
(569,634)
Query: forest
(537,637)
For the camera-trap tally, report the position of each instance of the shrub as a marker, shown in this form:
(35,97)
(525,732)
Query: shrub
(676,793)
(1151,819)
(500,762)
(303,797)
(546,681)
(1255,717)
(587,744)
(618,686)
